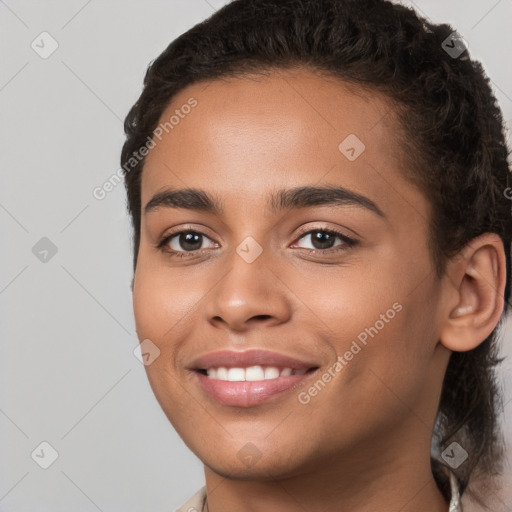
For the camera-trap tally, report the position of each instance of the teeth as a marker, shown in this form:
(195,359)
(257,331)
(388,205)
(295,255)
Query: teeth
(251,373)
(254,373)
(221,374)
(236,374)
(271,373)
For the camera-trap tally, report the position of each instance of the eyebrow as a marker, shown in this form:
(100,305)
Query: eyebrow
(285,199)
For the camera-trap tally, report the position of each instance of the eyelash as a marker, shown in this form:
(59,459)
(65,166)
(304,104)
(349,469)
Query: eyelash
(348,243)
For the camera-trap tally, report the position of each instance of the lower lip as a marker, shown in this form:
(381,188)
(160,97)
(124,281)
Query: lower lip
(249,393)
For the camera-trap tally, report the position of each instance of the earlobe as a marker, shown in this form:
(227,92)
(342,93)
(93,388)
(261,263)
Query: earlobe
(477,276)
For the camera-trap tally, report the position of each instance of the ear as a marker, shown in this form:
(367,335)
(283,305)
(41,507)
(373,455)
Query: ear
(474,288)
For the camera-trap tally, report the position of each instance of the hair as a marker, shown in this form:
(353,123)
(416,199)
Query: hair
(452,135)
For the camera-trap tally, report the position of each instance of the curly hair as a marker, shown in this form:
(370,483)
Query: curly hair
(452,134)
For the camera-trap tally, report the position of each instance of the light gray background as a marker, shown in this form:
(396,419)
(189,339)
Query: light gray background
(68,375)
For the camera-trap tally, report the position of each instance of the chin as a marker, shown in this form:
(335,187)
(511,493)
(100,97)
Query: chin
(249,463)
(260,471)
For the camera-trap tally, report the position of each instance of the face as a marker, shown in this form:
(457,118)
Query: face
(305,241)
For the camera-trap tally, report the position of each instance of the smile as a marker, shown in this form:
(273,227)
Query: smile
(251,386)
(250,377)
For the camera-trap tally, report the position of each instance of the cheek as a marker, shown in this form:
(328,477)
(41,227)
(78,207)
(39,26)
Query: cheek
(162,300)
(350,302)
(163,310)
(380,325)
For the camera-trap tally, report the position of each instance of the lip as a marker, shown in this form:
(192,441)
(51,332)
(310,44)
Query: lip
(249,393)
(250,357)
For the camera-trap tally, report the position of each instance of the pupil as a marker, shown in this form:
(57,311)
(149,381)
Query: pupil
(322,240)
(189,239)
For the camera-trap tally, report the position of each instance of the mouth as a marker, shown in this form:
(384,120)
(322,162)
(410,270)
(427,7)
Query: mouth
(251,386)
(250,377)
(250,393)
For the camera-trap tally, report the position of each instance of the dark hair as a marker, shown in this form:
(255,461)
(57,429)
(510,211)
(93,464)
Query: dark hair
(452,135)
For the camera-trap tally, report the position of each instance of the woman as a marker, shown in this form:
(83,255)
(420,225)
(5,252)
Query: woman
(318,191)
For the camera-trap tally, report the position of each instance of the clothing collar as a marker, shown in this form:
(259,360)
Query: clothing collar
(455,504)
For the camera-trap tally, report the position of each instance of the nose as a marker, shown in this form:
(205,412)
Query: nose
(248,294)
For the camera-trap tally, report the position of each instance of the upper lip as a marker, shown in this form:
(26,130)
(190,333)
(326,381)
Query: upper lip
(250,357)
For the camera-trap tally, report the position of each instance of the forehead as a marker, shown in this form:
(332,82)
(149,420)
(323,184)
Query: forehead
(249,134)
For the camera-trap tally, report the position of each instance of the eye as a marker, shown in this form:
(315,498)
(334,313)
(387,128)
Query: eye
(325,239)
(183,242)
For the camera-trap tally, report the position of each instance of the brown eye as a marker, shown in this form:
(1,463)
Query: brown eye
(184,242)
(324,239)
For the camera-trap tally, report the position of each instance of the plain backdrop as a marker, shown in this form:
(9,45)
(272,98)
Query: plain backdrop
(68,373)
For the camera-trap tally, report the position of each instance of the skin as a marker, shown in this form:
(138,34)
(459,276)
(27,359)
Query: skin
(363,442)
